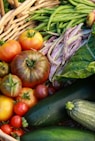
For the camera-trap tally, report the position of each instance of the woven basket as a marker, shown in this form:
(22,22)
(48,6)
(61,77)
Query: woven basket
(13,23)
(5,137)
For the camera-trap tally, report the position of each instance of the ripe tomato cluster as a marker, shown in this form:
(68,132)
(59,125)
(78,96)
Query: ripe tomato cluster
(14,125)
(24,73)
(29,39)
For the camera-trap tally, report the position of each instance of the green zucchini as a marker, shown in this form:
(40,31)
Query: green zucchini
(58,134)
(82,111)
(52,109)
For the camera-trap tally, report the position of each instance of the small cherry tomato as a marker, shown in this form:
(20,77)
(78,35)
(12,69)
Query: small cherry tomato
(9,50)
(20,108)
(31,39)
(27,95)
(6,128)
(16,121)
(41,91)
(17,132)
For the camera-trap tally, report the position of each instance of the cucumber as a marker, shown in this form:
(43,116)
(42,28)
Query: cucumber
(58,134)
(52,109)
(82,111)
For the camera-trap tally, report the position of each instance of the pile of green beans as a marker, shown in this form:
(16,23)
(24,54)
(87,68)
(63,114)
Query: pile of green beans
(54,21)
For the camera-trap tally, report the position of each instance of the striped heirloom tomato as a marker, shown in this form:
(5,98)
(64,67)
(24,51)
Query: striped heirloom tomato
(32,67)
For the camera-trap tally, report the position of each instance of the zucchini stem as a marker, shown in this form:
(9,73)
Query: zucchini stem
(69,105)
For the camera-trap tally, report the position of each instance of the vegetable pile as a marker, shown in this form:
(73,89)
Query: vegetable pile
(23,75)
(47,75)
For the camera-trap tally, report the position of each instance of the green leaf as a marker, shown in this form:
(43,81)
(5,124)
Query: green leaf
(82,64)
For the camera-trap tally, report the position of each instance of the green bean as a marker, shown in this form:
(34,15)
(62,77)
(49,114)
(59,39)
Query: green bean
(63,7)
(66,11)
(56,11)
(31,16)
(45,10)
(75,22)
(83,11)
(34,16)
(40,26)
(73,2)
(68,17)
(86,2)
(58,30)
(46,37)
(63,25)
(83,7)
(41,18)
(70,24)
(78,21)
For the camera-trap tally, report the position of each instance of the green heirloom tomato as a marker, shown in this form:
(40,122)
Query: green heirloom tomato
(4,68)
(11,85)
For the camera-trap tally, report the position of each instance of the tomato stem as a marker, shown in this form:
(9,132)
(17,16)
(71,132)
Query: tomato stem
(30,63)
(26,96)
(11,84)
(31,34)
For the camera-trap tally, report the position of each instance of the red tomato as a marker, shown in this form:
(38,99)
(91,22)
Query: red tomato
(31,39)
(32,67)
(6,128)
(11,85)
(27,95)
(17,132)
(9,50)
(20,108)
(16,121)
(41,91)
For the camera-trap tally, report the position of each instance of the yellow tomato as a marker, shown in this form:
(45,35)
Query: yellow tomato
(6,107)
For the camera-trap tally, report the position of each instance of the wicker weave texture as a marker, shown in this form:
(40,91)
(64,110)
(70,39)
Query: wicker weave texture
(13,23)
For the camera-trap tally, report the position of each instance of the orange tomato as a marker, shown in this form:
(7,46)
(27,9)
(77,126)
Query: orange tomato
(9,50)
(31,39)
(6,107)
(27,95)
